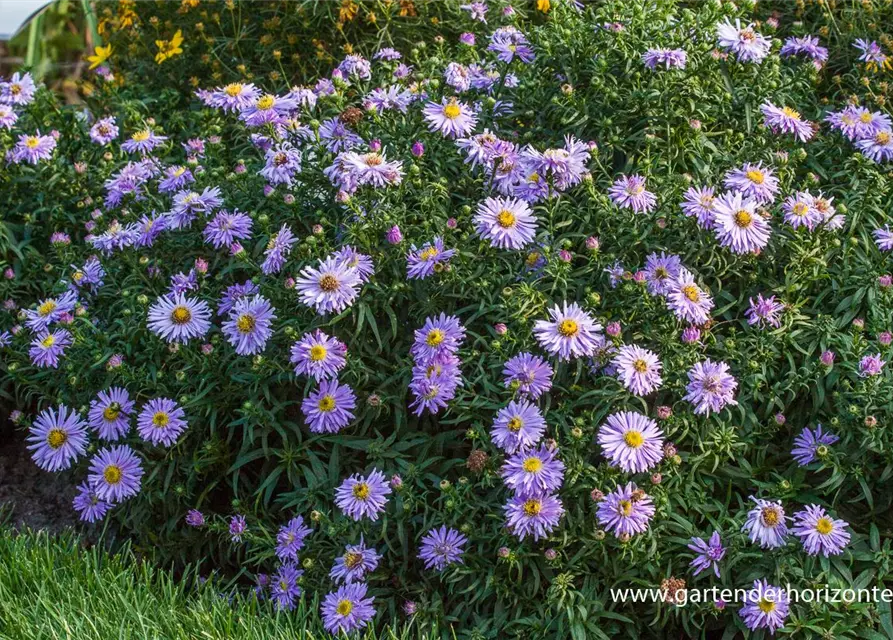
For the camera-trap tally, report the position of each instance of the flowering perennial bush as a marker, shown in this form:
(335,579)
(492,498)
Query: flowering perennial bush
(567,298)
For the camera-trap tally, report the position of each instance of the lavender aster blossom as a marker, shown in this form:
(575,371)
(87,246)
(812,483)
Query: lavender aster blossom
(786,120)
(88,277)
(765,607)
(356,562)
(233,294)
(808,46)
(533,516)
(177,318)
(625,511)
(451,118)
(285,588)
(533,472)
(363,497)
(638,369)
(518,426)
(570,333)
(188,204)
(347,609)
(353,259)
(329,408)
(710,387)
(33,148)
(175,179)
(883,238)
(249,325)
(89,506)
(234,96)
(268,109)
(115,473)
(143,141)
(631,441)
(19,90)
(237,526)
(290,538)
(812,444)
(660,272)
(227,227)
(819,532)
(161,421)
(669,58)
(709,554)
(195,518)
(330,287)
(47,347)
(8,117)
(753,182)
(508,223)
(50,311)
(872,55)
(745,43)
(531,374)
(766,524)
(57,438)
(281,164)
(738,226)
(628,192)
(871,366)
(687,300)
(442,547)
(434,384)
(799,211)
(110,413)
(277,250)
(104,131)
(337,136)
(879,147)
(764,311)
(440,336)
(431,258)
(698,203)
(318,356)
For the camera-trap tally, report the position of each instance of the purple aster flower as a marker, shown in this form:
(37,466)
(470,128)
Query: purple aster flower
(879,147)
(871,365)
(347,609)
(570,333)
(807,45)
(233,294)
(144,141)
(183,282)
(318,356)
(812,444)
(857,123)
(631,441)
(50,311)
(175,179)
(110,413)
(628,192)
(439,337)
(476,10)
(709,553)
(766,524)
(33,148)
(353,259)
(8,117)
(363,497)
(531,374)
(161,421)
(765,607)
(442,547)
(277,250)
(104,131)
(290,538)
(249,325)
(745,43)
(285,588)
(710,387)
(883,238)
(234,96)
(281,164)
(668,58)
(370,168)
(799,211)
(764,311)
(738,226)
(535,515)
(337,136)
(518,426)
(753,182)
(533,472)
(661,271)
(872,55)
(48,347)
(508,223)
(625,511)
(687,300)
(329,408)
(115,473)
(357,66)
(227,227)
(177,318)
(90,507)
(819,532)
(149,228)
(456,76)
(698,203)
(90,276)
(385,99)
(434,384)
(509,43)
(786,120)
(565,166)
(268,109)
(431,258)
(57,438)
(195,518)
(467,39)
(387,53)
(638,369)
(19,90)
(237,526)
(330,287)
(452,118)
(188,204)
(356,562)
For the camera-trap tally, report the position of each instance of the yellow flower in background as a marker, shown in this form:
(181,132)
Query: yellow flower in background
(543,5)
(169,48)
(100,55)
(347,11)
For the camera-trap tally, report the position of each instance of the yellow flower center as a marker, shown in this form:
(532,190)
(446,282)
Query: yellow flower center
(246,323)
(626,507)
(532,258)
(791,113)
(160,420)
(233,89)
(56,438)
(800,209)
(428,254)
(49,341)
(452,110)
(361,491)
(515,424)
(532,464)
(756,176)
(180,315)
(32,141)
(771,516)
(532,508)
(865,118)
(328,283)
(691,292)
(46,308)
(112,412)
(317,353)
(373,159)
(743,219)
(141,136)
(882,137)
(326,404)
(265,102)
(435,337)
(568,328)
(15,89)
(640,366)
(633,439)
(824,526)
(179,171)
(505,219)
(77,276)
(112,474)
(352,559)
(766,606)
(344,608)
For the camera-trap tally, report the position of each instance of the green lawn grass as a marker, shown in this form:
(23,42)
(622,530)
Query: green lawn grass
(51,587)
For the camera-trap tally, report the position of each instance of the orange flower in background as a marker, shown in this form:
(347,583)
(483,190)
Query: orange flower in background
(348,10)
(100,55)
(169,48)
(407,8)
